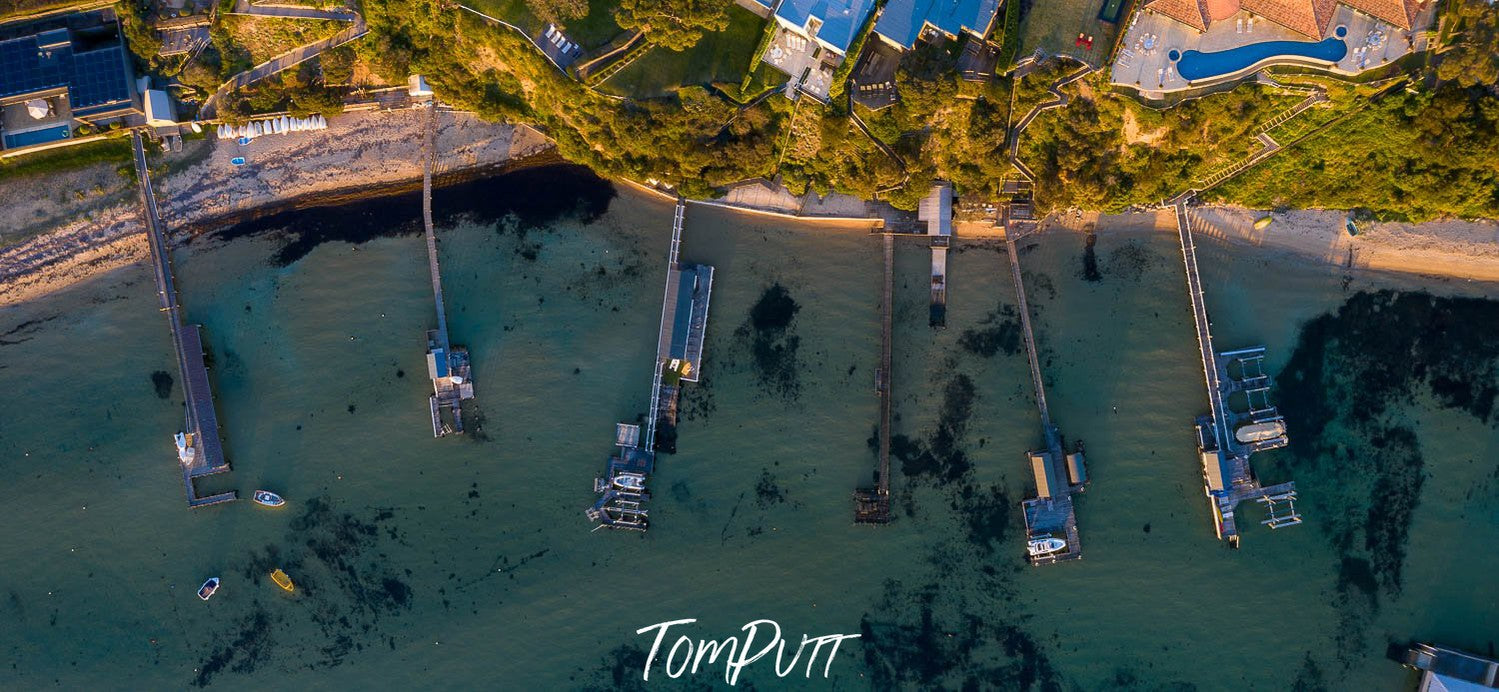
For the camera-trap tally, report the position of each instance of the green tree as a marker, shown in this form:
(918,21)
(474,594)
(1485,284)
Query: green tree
(675,24)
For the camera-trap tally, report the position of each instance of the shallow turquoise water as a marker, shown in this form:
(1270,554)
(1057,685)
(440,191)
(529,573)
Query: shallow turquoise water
(467,561)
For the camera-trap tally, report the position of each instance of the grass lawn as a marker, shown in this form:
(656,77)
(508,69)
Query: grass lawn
(268,37)
(719,57)
(1053,26)
(595,29)
(112,150)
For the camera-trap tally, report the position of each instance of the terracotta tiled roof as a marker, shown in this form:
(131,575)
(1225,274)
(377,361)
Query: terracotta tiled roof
(1307,17)
(1400,13)
(1193,13)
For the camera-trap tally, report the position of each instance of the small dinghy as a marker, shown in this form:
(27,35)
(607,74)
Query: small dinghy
(208,588)
(268,498)
(1045,546)
(282,580)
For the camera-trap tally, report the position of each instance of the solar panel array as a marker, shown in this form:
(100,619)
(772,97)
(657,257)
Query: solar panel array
(94,78)
(99,78)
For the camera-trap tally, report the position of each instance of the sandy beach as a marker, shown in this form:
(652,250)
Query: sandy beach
(201,189)
(88,221)
(1452,248)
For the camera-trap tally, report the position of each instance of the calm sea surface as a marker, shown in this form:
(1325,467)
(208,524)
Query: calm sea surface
(467,561)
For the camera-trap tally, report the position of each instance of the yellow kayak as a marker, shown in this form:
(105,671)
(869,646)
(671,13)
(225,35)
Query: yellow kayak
(282,580)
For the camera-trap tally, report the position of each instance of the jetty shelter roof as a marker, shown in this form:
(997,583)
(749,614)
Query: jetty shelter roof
(901,21)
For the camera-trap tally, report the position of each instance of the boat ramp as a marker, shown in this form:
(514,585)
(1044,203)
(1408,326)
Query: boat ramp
(1050,516)
(447,365)
(1240,420)
(679,358)
(200,451)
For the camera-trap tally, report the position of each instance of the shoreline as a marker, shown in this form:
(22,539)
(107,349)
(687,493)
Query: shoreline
(360,155)
(377,155)
(1447,249)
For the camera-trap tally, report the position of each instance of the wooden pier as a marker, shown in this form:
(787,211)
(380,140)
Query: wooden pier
(447,365)
(202,452)
(872,505)
(1225,437)
(679,352)
(1050,515)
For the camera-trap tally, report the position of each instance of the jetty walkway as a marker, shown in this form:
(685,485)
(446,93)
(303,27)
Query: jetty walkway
(679,359)
(872,505)
(1226,437)
(447,365)
(202,452)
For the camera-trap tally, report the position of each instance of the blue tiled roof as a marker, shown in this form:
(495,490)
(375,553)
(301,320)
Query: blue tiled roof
(841,19)
(94,78)
(902,20)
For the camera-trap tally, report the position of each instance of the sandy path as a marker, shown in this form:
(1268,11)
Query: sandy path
(356,151)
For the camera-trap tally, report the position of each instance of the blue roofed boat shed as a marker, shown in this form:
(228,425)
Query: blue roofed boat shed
(902,21)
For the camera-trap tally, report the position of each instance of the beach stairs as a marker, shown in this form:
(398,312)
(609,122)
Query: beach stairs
(614,68)
(1268,145)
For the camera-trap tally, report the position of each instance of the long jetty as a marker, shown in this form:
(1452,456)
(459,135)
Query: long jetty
(200,452)
(679,358)
(447,365)
(872,505)
(1226,437)
(1050,517)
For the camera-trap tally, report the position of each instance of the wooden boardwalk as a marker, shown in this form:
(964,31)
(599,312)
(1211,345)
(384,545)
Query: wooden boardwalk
(1200,317)
(201,421)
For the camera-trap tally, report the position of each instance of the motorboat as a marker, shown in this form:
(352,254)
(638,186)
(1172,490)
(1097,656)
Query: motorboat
(1045,546)
(630,481)
(268,498)
(186,453)
(1259,432)
(208,588)
(282,580)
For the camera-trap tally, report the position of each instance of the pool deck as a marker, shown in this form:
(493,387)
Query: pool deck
(1153,72)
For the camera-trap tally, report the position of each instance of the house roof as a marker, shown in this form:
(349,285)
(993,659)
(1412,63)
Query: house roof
(1306,17)
(1193,13)
(1401,13)
(47,59)
(902,20)
(841,19)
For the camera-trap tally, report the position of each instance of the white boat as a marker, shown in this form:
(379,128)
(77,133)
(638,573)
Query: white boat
(1257,432)
(268,498)
(630,481)
(185,451)
(1045,546)
(208,588)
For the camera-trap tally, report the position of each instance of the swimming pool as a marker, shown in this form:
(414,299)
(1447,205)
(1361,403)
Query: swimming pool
(1194,65)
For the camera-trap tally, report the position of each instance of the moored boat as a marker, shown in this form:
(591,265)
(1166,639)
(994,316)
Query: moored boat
(282,580)
(1045,546)
(268,498)
(208,588)
(185,451)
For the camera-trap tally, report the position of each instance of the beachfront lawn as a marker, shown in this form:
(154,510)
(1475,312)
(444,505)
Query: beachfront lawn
(113,150)
(723,56)
(595,29)
(1053,25)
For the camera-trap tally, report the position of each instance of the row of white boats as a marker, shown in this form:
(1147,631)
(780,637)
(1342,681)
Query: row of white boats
(272,126)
